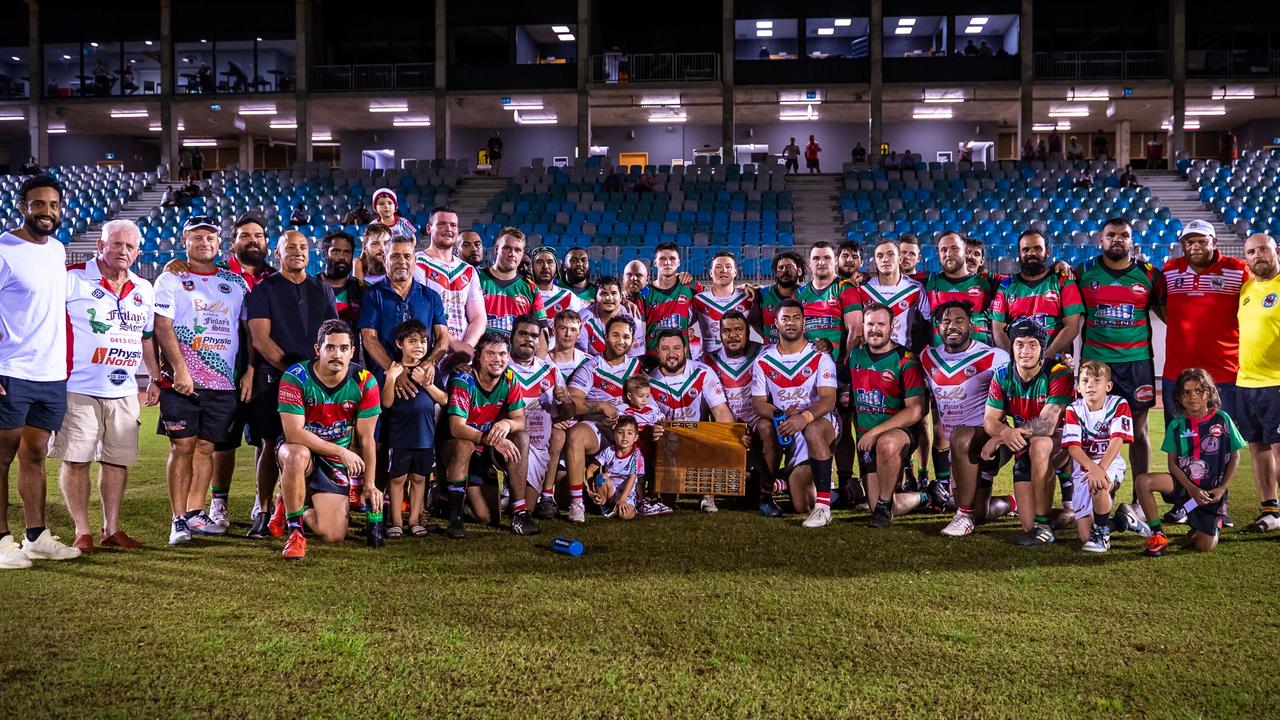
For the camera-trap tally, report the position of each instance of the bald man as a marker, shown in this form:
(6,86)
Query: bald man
(1258,381)
(635,276)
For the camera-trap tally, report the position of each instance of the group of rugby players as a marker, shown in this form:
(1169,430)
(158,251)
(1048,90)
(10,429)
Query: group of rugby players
(552,387)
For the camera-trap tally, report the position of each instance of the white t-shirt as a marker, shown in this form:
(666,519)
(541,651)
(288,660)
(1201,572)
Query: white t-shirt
(106,331)
(602,382)
(33,299)
(959,382)
(206,311)
(457,284)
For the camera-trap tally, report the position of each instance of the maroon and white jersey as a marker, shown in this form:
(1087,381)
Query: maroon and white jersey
(645,416)
(735,377)
(708,309)
(604,382)
(687,396)
(537,382)
(1092,430)
(793,380)
(903,300)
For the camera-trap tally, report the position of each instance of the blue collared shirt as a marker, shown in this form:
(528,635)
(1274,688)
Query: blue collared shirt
(382,310)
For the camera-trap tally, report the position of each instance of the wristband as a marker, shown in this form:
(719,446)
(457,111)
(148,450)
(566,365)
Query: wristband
(809,415)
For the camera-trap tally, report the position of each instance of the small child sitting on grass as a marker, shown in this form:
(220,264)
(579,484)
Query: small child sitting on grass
(619,466)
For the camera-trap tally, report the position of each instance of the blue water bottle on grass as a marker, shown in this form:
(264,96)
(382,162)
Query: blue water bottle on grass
(567,546)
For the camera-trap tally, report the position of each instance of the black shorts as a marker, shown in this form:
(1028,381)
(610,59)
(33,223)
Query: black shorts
(484,467)
(207,414)
(867,459)
(1259,414)
(410,461)
(792,164)
(263,415)
(1207,519)
(28,403)
(1135,382)
(237,435)
(811,163)
(1021,464)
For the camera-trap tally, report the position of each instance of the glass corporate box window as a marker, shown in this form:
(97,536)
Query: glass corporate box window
(216,50)
(87,52)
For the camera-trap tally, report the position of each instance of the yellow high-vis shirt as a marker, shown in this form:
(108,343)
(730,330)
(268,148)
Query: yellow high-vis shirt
(1259,334)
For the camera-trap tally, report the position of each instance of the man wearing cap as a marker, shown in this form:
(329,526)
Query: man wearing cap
(555,299)
(386,206)
(1258,382)
(197,326)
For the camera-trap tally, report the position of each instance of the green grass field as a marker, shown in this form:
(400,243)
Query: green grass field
(725,616)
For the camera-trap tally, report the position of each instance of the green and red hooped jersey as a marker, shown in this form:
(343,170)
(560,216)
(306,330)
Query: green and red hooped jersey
(666,309)
(1047,301)
(482,408)
(824,311)
(770,301)
(1023,400)
(329,413)
(976,290)
(506,300)
(1118,303)
(881,383)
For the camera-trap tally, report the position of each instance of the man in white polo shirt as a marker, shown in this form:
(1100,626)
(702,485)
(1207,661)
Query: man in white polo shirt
(33,367)
(110,312)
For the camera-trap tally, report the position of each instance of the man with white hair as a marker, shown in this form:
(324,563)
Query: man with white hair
(110,315)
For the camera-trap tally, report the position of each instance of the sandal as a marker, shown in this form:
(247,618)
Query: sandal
(419,530)
(395,531)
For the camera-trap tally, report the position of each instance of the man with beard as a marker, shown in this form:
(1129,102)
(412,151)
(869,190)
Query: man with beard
(635,278)
(849,262)
(33,365)
(339,254)
(554,298)
(284,314)
(732,365)
(540,385)
(901,294)
(577,269)
(1034,292)
(793,384)
(959,371)
(1119,295)
(457,283)
(685,390)
(724,296)
(369,266)
(249,249)
(909,257)
(593,339)
(507,294)
(889,400)
(471,248)
(1259,377)
(788,272)
(597,393)
(667,302)
(832,309)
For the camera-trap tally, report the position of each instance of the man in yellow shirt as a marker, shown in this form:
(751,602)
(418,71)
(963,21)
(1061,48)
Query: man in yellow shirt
(1259,377)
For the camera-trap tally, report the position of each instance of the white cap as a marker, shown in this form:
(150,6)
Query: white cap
(1198,227)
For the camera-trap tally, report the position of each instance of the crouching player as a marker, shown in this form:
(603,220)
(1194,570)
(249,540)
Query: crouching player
(1094,430)
(617,470)
(540,383)
(1204,451)
(324,406)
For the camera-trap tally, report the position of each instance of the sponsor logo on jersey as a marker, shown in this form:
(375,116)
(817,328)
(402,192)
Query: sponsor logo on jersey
(1210,444)
(1269,301)
(201,342)
(1042,399)
(970,371)
(975,291)
(806,371)
(118,376)
(887,376)
(1138,289)
(1144,393)
(224,288)
(348,406)
(1051,296)
(189,285)
(1216,430)
(116,357)
(98,294)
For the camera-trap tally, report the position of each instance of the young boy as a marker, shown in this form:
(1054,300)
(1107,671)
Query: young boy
(1204,451)
(1095,428)
(620,465)
(640,408)
(408,430)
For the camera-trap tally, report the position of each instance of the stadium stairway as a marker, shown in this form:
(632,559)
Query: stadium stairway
(472,194)
(84,245)
(1183,200)
(816,203)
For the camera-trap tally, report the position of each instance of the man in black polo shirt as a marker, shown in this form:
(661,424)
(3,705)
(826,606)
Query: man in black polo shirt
(285,312)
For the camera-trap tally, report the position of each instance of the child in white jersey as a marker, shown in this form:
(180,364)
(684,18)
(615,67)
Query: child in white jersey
(1095,429)
(619,466)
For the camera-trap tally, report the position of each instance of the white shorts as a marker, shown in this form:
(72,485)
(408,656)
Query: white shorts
(98,429)
(538,458)
(616,485)
(1081,498)
(800,447)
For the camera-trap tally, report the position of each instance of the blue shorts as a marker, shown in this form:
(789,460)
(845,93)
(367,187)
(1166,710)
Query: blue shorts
(30,403)
(1227,392)
(1259,414)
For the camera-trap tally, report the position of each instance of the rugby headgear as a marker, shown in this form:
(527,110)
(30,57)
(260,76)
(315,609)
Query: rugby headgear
(1026,327)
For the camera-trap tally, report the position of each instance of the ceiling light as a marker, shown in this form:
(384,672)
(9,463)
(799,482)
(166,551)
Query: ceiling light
(155,127)
(93,44)
(932,113)
(902,31)
(133,61)
(283,124)
(321,137)
(258,39)
(1068,112)
(844,22)
(16,58)
(559,29)
(1223,93)
(826,31)
(978,21)
(128,113)
(1042,127)
(11,118)
(57,130)
(66,57)
(675,116)
(523,105)
(412,122)
(944,96)
(203,40)
(764,24)
(1074,95)
(973,30)
(1186,125)
(807,114)
(660,101)
(200,142)
(1210,110)
(534,119)
(401,107)
(325,144)
(764,33)
(147,43)
(566,38)
(907,22)
(265,110)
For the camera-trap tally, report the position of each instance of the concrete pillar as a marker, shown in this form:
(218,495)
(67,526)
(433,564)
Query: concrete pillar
(37,114)
(1027,75)
(440,118)
(1178,31)
(1124,143)
(246,151)
(302,30)
(169,141)
(728,119)
(584,82)
(876,52)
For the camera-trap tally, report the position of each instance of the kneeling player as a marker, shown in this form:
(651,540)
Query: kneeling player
(486,424)
(540,383)
(324,405)
(1094,430)
(1204,452)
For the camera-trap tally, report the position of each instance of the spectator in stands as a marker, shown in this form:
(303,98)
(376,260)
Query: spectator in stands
(30,167)
(646,183)
(908,160)
(811,156)
(1085,180)
(1028,150)
(204,78)
(239,78)
(1075,151)
(300,215)
(890,161)
(613,182)
(966,153)
(197,165)
(103,80)
(184,165)
(126,80)
(1055,145)
(791,157)
(370,266)
(1154,154)
(984,50)
(1128,179)
(1100,146)
(764,52)
(859,153)
(168,200)
(494,148)
(970,50)
(387,207)
(1042,151)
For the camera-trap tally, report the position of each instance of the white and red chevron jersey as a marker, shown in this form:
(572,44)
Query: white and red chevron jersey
(1092,430)
(792,380)
(708,309)
(603,382)
(959,381)
(558,299)
(687,396)
(457,284)
(901,299)
(592,338)
(735,378)
(537,383)
(569,367)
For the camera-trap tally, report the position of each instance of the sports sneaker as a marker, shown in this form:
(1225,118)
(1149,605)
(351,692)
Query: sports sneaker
(11,555)
(820,516)
(577,512)
(1176,516)
(259,529)
(770,508)
(455,531)
(881,517)
(218,513)
(1227,522)
(1124,519)
(202,524)
(295,548)
(1099,540)
(179,533)
(961,524)
(1156,544)
(277,523)
(708,504)
(546,509)
(1266,522)
(654,508)
(939,496)
(1035,537)
(522,524)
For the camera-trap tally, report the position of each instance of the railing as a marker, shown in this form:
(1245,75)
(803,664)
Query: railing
(1235,63)
(619,68)
(386,76)
(1102,65)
